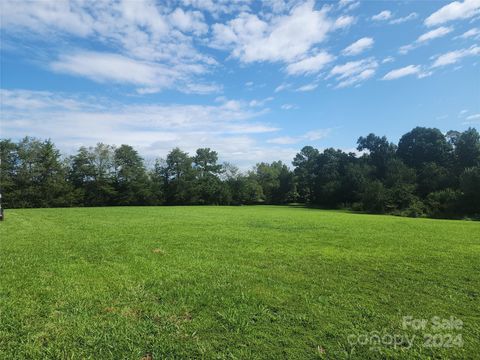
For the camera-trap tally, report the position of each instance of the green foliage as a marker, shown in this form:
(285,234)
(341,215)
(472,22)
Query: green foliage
(276,181)
(467,149)
(470,186)
(424,145)
(131,181)
(380,152)
(374,197)
(305,172)
(444,203)
(427,174)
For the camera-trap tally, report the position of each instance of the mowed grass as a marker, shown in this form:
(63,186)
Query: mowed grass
(231,283)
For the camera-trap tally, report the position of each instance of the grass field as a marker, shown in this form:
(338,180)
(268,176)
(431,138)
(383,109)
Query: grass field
(234,283)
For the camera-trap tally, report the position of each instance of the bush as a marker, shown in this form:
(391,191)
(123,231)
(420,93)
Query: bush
(374,197)
(444,203)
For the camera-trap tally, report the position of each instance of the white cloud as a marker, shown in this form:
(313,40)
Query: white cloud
(405,49)
(308,87)
(382,16)
(401,20)
(284,140)
(282,87)
(154,129)
(348,5)
(261,102)
(310,65)
(433,34)
(148,76)
(454,11)
(157,42)
(252,39)
(112,67)
(358,46)
(344,21)
(388,59)
(288,107)
(472,33)
(473,117)
(189,21)
(405,71)
(426,37)
(453,57)
(354,72)
(219,7)
(309,136)
(44,16)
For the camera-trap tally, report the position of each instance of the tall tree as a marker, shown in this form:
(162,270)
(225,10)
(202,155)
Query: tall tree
(92,170)
(180,177)
(305,163)
(277,182)
(131,181)
(206,162)
(8,164)
(467,149)
(424,145)
(380,152)
(470,186)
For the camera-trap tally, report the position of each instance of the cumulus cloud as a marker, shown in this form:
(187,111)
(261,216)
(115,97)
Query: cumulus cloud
(227,126)
(433,34)
(403,19)
(387,15)
(282,87)
(309,136)
(154,40)
(147,76)
(354,72)
(288,107)
(473,117)
(344,21)
(188,21)
(454,11)
(310,64)
(252,39)
(453,57)
(472,33)
(358,46)
(426,37)
(307,87)
(348,5)
(401,72)
(382,16)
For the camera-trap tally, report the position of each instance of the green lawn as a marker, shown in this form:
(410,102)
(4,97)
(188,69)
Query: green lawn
(233,283)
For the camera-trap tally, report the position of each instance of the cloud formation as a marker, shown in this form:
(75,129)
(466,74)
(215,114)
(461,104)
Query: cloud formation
(382,16)
(358,46)
(454,11)
(401,72)
(426,37)
(453,57)
(354,72)
(154,129)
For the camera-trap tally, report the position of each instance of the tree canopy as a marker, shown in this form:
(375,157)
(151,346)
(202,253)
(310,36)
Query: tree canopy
(426,174)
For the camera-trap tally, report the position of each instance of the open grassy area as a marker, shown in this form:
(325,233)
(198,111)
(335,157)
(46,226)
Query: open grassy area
(233,283)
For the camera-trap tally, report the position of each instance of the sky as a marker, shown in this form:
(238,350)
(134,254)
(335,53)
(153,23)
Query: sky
(255,81)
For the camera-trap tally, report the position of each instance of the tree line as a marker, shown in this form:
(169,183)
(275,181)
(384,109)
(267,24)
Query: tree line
(427,173)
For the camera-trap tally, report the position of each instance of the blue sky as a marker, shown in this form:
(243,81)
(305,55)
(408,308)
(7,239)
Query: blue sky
(255,81)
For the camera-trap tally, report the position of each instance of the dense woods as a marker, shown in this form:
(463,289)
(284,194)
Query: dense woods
(426,174)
